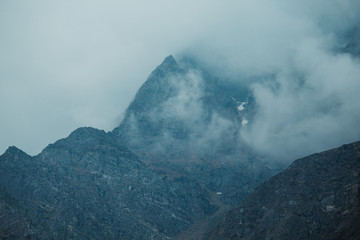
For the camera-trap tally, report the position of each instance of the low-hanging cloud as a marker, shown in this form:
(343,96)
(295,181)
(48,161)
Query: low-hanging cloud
(179,119)
(313,108)
(295,58)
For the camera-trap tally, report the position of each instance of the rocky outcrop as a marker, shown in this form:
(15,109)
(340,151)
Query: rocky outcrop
(317,197)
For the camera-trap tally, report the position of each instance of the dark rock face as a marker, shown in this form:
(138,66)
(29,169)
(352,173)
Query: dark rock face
(14,224)
(351,42)
(317,197)
(88,187)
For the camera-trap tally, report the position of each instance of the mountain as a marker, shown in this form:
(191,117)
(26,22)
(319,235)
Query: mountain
(183,118)
(88,187)
(316,197)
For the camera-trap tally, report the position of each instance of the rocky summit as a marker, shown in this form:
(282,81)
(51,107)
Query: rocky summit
(317,197)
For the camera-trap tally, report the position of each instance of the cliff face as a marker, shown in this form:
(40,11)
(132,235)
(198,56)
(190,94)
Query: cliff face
(317,197)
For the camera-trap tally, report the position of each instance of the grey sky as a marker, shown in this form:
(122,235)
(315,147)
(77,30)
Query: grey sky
(67,64)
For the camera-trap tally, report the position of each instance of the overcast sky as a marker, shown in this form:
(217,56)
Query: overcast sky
(67,64)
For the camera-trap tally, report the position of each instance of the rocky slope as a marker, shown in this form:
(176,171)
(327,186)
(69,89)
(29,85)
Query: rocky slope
(88,187)
(317,197)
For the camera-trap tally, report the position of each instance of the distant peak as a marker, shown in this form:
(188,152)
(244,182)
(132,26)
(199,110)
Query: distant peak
(12,150)
(169,62)
(86,132)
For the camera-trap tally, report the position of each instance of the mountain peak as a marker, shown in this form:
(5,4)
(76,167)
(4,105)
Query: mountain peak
(86,132)
(169,60)
(169,64)
(14,152)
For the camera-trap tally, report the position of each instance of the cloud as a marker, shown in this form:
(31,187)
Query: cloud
(180,118)
(185,105)
(291,55)
(313,109)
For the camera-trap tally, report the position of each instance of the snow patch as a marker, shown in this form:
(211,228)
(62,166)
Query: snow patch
(241,106)
(330,208)
(244,122)
(106,176)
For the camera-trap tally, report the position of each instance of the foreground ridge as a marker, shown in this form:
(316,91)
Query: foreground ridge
(317,197)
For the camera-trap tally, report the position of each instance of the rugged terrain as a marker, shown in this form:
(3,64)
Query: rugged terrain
(87,187)
(317,197)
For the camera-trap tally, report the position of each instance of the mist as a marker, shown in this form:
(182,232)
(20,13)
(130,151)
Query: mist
(301,63)
(79,63)
(184,118)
